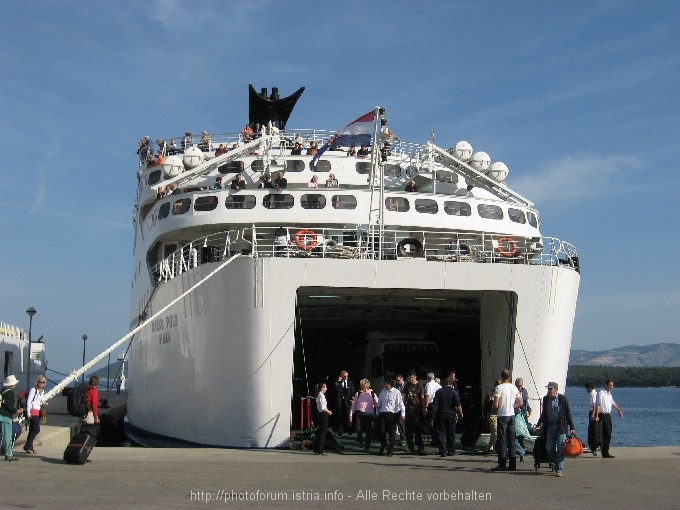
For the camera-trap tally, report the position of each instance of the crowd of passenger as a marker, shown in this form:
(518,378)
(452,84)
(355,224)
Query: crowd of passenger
(297,144)
(430,412)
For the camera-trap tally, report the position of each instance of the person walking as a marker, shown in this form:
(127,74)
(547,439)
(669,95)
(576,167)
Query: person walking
(35,403)
(447,411)
(344,392)
(594,437)
(8,409)
(506,399)
(391,410)
(605,403)
(324,413)
(556,421)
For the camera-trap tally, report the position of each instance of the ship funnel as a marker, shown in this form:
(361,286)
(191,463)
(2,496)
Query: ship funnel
(275,109)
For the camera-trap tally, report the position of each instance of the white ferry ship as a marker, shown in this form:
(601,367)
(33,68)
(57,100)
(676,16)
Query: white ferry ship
(285,286)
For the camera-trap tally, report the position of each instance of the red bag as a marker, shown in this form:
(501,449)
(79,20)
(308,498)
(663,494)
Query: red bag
(572,447)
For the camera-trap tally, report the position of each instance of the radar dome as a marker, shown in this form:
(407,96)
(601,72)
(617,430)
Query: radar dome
(172,167)
(193,157)
(480,161)
(498,171)
(463,150)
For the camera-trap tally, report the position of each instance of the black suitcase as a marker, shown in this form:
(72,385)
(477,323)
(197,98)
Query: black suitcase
(595,439)
(79,449)
(540,452)
(472,432)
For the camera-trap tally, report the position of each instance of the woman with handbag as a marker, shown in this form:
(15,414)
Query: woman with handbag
(35,402)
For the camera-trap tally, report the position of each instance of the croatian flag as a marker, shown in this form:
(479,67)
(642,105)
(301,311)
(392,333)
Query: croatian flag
(356,133)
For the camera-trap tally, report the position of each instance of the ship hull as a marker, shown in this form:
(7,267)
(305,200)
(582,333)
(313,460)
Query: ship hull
(222,366)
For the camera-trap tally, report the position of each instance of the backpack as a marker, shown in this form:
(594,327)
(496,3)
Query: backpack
(22,402)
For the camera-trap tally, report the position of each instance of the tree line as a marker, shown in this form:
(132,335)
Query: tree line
(624,377)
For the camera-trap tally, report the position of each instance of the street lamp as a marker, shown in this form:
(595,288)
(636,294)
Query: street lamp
(84,337)
(30,312)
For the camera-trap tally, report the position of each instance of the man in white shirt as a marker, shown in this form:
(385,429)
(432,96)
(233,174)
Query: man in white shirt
(391,410)
(605,403)
(594,438)
(431,388)
(506,399)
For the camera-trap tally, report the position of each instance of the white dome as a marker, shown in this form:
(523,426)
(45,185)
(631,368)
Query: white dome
(193,157)
(498,171)
(480,161)
(172,167)
(463,150)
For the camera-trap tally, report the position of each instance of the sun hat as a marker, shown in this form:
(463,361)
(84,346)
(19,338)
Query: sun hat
(10,381)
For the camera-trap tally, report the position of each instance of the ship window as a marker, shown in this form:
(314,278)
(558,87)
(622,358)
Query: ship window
(457,208)
(294,165)
(154,178)
(164,210)
(392,171)
(533,221)
(313,201)
(240,202)
(446,176)
(276,201)
(363,167)
(490,212)
(516,215)
(257,165)
(233,167)
(181,206)
(344,202)
(205,203)
(426,206)
(322,165)
(397,204)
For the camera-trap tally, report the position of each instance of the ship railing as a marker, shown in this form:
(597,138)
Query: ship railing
(334,243)
(281,139)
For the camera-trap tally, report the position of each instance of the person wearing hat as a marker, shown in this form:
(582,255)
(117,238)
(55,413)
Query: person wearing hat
(557,422)
(8,409)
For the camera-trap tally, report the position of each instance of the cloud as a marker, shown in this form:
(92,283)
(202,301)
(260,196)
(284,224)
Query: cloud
(578,178)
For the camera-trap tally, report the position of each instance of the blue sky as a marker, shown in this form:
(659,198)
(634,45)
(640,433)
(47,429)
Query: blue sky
(579,99)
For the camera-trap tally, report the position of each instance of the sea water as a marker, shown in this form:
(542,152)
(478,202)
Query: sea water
(651,416)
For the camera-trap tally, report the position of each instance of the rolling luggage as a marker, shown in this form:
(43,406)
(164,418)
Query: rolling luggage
(540,452)
(595,434)
(472,432)
(79,449)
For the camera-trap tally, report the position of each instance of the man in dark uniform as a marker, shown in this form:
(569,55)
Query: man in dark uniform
(447,411)
(344,390)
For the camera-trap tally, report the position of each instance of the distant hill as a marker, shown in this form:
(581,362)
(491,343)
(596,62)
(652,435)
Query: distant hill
(656,355)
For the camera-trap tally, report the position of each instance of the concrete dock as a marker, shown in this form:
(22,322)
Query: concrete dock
(189,478)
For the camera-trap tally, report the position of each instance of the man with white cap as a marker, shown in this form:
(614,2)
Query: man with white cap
(8,408)
(555,418)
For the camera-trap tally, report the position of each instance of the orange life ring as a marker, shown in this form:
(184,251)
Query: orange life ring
(512,246)
(305,239)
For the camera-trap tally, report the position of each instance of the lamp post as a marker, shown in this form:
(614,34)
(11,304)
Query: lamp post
(84,337)
(30,312)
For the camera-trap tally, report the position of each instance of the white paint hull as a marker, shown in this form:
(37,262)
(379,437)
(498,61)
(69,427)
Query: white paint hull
(218,371)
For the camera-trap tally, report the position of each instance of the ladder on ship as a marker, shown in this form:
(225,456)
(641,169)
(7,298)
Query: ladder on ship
(380,147)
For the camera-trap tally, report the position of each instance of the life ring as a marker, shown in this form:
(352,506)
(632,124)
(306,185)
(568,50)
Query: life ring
(305,238)
(415,247)
(511,250)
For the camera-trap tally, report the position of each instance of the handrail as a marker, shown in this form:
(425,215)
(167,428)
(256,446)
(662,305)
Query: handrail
(433,246)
